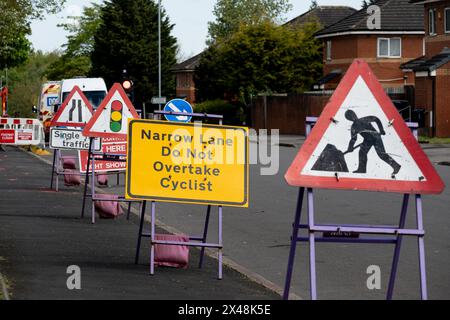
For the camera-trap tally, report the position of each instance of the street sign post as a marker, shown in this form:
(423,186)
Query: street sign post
(178,106)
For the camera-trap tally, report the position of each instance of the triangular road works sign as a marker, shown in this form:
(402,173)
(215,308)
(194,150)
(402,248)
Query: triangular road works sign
(361,142)
(111,118)
(75,111)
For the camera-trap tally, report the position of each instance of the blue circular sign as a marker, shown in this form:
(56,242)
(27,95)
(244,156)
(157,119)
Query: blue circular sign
(178,105)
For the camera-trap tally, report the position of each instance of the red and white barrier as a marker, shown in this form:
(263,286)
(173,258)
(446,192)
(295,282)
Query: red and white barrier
(21,132)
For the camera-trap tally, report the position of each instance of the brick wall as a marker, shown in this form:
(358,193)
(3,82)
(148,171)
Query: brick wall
(443,102)
(435,43)
(185,85)
(345,49)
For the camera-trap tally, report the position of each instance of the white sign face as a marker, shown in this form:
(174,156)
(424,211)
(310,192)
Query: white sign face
(75,111)
(71,139)
(111,118)
(361,143)
(159,100)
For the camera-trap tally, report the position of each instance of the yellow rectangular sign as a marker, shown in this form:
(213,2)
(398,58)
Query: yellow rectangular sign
(188,163)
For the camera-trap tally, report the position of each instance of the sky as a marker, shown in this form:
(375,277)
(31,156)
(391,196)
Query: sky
(190,17)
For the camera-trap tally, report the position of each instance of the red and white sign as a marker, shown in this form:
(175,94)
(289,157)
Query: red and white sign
(7,136)
(111,118)
(115,146)
(21,131)
(25,135)
(361,142)
(75,111)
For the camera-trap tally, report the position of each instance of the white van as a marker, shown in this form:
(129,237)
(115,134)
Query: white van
(93,88)
(50,95)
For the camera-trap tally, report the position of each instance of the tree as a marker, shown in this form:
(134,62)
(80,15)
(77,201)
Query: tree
(231,14)
(76,58)
(16,16)
(262,58)
(128,39)
(313,5)
(26,81)
(367,3)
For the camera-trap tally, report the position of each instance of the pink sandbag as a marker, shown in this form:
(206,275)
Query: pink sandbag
(102,179)
(108,209)
(172,256)
(68,162)
(71,178)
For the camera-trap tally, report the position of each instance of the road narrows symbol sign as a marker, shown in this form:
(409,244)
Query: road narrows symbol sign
(75,111)
(361,142)
(111,118)
(187,163)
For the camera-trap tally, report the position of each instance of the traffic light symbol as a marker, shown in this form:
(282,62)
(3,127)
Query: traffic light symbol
(116,116)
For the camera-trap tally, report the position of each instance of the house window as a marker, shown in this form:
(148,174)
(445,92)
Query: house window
(329,50)
(447,20)
(432,21)
(389,48)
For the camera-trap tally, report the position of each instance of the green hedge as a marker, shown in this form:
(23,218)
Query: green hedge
(233,113)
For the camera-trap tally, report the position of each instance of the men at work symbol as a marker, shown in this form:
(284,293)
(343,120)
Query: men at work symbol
(372,138)
(333,160)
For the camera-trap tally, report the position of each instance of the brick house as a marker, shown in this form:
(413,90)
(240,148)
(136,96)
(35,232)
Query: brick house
(432,69)
(184,75)
(399,39)
(324,15)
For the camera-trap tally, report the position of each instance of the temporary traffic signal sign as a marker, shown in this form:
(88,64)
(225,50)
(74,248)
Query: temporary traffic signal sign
(76,110)
(361,142)
(111,118)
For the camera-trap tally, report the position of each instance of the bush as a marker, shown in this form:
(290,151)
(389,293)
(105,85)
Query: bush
(233,113)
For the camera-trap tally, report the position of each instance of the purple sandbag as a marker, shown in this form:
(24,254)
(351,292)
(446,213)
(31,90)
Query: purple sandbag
(108,209)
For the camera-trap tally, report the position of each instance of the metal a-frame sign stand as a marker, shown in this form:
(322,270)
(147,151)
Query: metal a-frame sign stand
(60,120)
(397,232)
(92,156)
(194,241)
(119,105)
(360,109)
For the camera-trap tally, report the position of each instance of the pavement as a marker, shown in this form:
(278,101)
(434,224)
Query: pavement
(256,240)
(41,235)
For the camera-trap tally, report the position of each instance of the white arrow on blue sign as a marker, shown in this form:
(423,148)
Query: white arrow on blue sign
(178,105)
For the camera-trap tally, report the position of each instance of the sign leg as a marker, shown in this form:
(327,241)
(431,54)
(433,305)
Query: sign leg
(58,161)
(220,244)
(205,235)
(53,169)
(86,178)
(312,245)
(295,227)
(152,245)
(421,245)
(93,189)
(398,245)
(141,226)
(129,210)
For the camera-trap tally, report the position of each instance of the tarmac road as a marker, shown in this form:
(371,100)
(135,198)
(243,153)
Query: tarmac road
(257,238)
(41,235)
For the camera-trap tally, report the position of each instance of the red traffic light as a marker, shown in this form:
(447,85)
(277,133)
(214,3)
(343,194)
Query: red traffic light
(127,84)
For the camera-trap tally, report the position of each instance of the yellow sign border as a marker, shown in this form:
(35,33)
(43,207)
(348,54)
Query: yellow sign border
(129,195)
